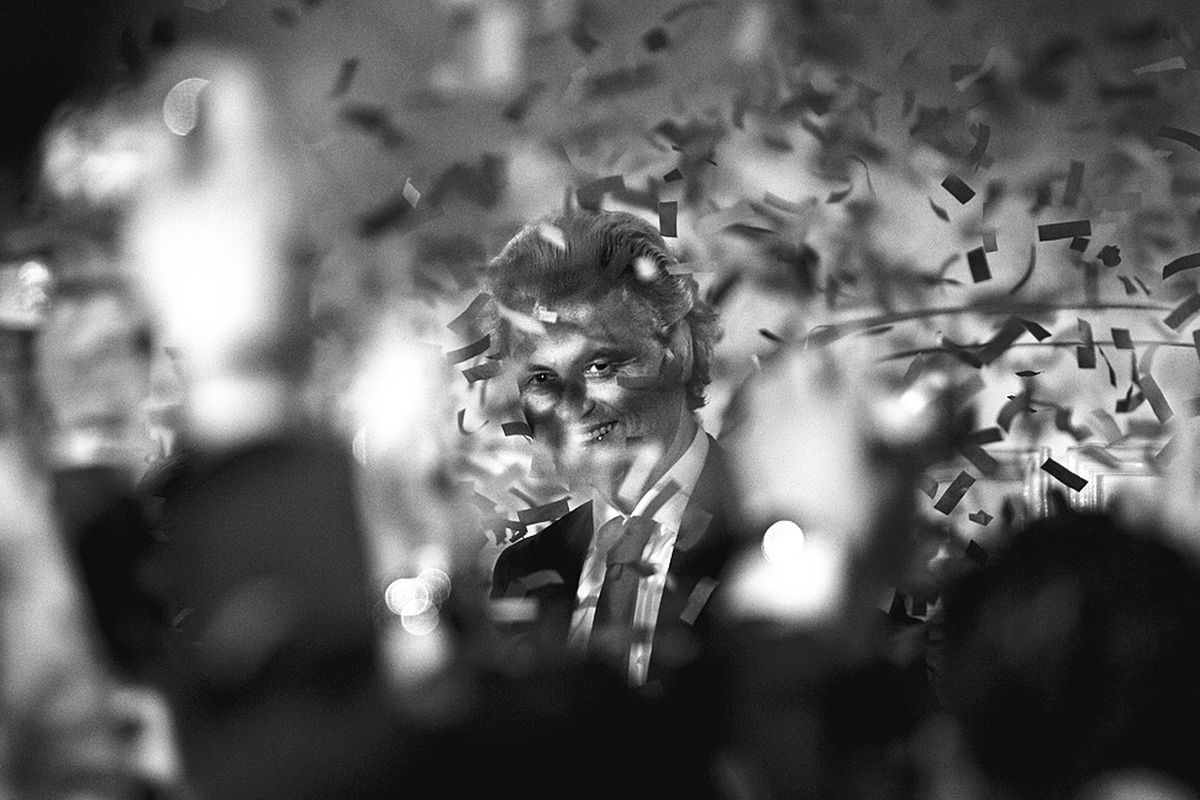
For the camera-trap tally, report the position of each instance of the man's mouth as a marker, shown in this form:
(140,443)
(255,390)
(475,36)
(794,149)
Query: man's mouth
(597,433)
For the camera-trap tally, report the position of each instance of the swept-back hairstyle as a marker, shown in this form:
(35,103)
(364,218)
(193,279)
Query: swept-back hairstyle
(582,255)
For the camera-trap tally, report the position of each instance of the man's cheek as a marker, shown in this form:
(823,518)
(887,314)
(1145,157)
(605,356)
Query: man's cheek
(539,412)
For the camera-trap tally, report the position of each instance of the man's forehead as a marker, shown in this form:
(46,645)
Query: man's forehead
(615,307)
(612,318)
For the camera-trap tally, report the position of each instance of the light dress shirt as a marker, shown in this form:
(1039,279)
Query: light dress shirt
(666,501)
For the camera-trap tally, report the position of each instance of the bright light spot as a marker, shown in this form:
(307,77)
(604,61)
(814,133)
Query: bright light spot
(34,273)
(181,108)
(646,269)
(359,446)
(437,583)
(420,624)
(407,597)
(783,542)
(808,589)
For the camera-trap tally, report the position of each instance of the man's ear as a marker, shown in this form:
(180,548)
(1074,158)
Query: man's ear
(681,350)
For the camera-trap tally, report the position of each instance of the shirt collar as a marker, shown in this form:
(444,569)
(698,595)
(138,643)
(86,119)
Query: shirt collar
(685,472)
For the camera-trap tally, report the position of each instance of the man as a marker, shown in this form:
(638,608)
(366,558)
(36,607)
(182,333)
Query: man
(612,354)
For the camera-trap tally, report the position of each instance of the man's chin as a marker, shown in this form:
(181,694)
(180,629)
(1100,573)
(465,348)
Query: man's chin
(597,464)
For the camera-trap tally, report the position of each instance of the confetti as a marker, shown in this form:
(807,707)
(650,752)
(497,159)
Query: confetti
(1130,287)
(958,188)
(672,176)
(1196,341)
(1110,255)
(591,195)
(1064,230)
(1121,339)
(1063,475)
(388,214)
(543,513)
(989,241)
(1018,404)
(655,39)
(766,334)
(927,485)
(1085,353)
(688,8)
(1130,402)
(1112,373)
(482,372)
(1183,312)
(987,436)
(976,553)
(482,183)
(465,321)
(1062,422)
(1108,425)
(620,81)
(697,599)
(541,579)
(1028,271)
(1139,282)
(1155,397)
(1037,330)
(941,212)
(983,135)
(977,261)
(961,353)
(1181,264)
(1080,244)
(410,193)
(1009,332)
(954,493)
(519,107)
(980,517)
(1167,64)
(516,428)
(1179,135)
(979,458)
(345,77)
(666,218)
(470,351)
(839,195)
(375,121)
(462,423)
(1074,184)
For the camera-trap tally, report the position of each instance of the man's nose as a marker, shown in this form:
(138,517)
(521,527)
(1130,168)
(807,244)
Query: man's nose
(576,401)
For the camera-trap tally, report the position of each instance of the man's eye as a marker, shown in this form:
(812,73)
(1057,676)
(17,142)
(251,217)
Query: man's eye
(540,379)
(598,368)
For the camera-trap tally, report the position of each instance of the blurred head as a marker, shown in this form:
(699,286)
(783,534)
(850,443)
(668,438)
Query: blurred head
(1073,655)
(612,352)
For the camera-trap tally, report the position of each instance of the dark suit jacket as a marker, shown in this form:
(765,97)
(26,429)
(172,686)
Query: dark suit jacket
(703,548)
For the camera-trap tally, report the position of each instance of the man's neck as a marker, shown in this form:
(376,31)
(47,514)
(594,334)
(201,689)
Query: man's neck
(648,467)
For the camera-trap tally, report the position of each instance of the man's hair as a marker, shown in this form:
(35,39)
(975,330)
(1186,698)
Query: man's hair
(583,255)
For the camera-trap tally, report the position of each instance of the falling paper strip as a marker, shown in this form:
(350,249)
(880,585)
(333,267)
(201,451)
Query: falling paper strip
(697,600)
(1064,230)
(1064,475)
(1183,312)
(954,493)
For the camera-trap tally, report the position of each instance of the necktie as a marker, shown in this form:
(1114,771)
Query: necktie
(612,629)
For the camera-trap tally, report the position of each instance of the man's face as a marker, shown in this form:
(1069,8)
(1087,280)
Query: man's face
(571,385)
